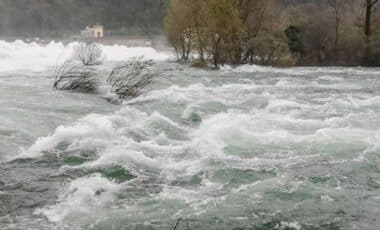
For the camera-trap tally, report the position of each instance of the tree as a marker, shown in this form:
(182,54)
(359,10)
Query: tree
(88,54)
(178,24)
(295,42)
(256,31)
(198,25)
(255,21)
(129,79)
(224,26)
(334,5)
(210,28)
(369,5)
(73,75)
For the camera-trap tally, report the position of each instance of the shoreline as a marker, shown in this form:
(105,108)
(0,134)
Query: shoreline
(159,43)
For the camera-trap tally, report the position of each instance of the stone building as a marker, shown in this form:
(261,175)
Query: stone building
(96,31)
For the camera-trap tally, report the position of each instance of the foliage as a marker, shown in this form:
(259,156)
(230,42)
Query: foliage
(224,31)
(269,48)
(294,41)
(206,28)
(328,32)
(177,24)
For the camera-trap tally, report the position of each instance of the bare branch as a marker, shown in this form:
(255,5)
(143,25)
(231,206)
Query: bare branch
(72,75)
(373,3)
(89,54)
(129,79)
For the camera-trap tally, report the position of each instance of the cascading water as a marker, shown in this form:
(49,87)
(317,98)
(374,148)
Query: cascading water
(245,148)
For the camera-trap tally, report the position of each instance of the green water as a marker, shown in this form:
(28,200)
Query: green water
(250,148)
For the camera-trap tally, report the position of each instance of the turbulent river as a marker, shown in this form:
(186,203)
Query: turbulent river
(239,148)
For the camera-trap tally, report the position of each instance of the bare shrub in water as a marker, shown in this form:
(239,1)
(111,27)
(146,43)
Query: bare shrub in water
(76,72)
(89,54)
(129,79)
(73,75)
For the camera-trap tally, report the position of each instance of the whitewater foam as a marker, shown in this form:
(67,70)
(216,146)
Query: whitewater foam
(301,71)
(82,197)
(20,56)
(227,146)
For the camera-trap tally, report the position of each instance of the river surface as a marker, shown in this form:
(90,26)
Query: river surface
(239,148)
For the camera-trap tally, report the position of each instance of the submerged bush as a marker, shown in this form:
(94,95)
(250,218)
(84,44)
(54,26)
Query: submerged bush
(76,73)
(89,54)
(129,79)
(73,75)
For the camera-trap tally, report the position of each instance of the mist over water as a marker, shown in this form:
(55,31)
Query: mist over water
(245,148)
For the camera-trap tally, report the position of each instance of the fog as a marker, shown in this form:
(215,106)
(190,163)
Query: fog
(65,18)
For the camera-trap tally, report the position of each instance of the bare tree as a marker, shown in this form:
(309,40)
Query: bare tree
(76,73)
(129,79)
(334,5)
(89,54)
(369,5)
(73,75)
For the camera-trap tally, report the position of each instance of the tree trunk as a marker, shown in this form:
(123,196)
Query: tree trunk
(188,50)
(200,42)
(183,49)
(335,4)
(337,22)
(216,52)
(367,31)
(368,18)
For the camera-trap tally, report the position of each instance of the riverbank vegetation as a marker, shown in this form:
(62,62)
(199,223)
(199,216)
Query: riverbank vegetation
(267,32)
(275,32)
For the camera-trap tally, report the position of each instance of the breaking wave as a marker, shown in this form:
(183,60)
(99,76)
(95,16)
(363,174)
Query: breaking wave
(211,149)
(249,147)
